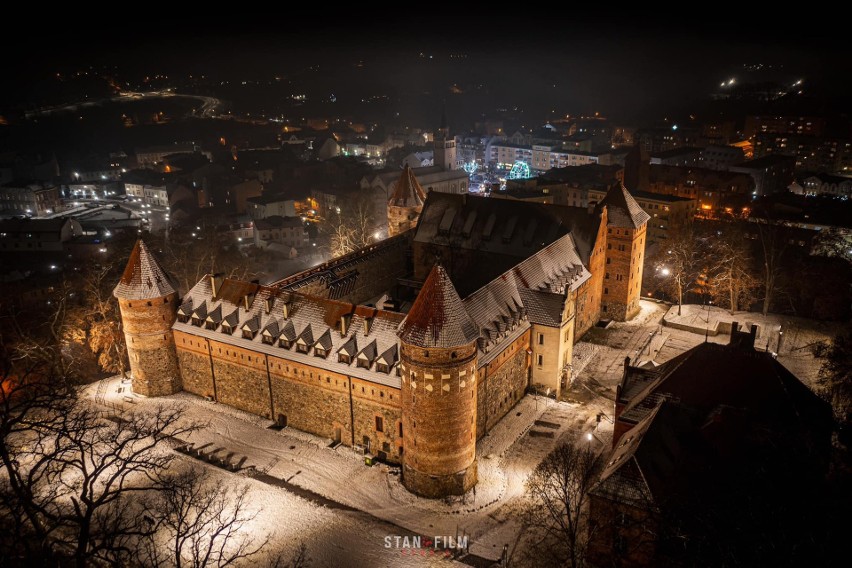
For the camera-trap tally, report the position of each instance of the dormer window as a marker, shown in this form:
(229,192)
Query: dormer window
(268,339)
(285,343)
(344,358)
(211,325)
(320,352)
(196,322)
(382,368)
(363,362)
(227,329)
(183,318)
(248,334)
(301,347)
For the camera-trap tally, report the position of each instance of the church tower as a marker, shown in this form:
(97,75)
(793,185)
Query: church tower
(438,371)
(445,147)
(405,204)
(148,300)
(625,253)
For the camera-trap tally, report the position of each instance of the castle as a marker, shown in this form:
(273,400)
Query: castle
(412,348)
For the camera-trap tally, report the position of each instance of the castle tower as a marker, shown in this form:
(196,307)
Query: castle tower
(405,204)
(444,146)
(438,370)
(625,253)
(148,300)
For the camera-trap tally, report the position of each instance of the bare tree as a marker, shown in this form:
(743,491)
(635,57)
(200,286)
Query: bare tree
(835,374)
(350,226)
(773,246)
(732,282)
(677,264)
(200,524)
(70,472)
(558,511)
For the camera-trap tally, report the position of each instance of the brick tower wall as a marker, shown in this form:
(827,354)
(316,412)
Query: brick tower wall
(401,219)
(439,401)
(502,383)
(150,344)
(624,256)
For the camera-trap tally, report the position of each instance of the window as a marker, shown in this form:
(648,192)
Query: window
(606,291)
(248,334)
(379,424)
(344,358)
(182,318)
(286,344)
(606,276)
(211,325)
(320,352)
(540,360)
(302,347)
(608,261)
(268,339)
(541,339)
(382,368)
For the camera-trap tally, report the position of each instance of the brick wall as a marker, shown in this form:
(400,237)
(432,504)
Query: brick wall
(588,305)
(623,272)
(401,219)
(439,402)
(150,344)
(502,383)
(302,396)
(623,535)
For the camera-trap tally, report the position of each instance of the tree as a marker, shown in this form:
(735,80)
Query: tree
(677,263)
(835,373)
(558,511)
(350,226)
(70,473)
(197,523)
(773,246)
(732,283)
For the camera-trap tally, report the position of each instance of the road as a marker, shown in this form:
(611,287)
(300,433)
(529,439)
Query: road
(208,109)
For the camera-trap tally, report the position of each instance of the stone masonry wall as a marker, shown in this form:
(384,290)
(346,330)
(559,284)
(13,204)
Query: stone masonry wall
(150,344)
(438,412)
(623,272)
(502,383)
(304,397)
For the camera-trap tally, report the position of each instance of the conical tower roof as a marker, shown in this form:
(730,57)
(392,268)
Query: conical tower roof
(407,192)
(143,277)
(438,317)
(622,209)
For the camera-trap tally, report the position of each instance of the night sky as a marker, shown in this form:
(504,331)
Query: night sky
(632,69)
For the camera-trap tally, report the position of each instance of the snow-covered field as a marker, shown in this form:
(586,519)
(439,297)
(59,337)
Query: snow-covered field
(367,503)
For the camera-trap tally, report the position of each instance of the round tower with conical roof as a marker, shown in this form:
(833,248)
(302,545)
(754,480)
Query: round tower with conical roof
(148,300)
(438,374)
(405,204)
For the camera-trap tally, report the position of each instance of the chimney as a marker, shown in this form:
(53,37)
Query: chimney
(345,320)
(270,300)
(368,323)
(247,300)
(286,309)
(216,284)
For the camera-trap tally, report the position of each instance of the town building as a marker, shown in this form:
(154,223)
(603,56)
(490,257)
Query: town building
(478,303)
(152,156)
(684,156)
(264,206)
(405,204)
(713,190)
(715,429)
(774,124)
(37,235)
(721,157)
(670,215)
(822,184)
(771,174)
(29,198)
(287,231)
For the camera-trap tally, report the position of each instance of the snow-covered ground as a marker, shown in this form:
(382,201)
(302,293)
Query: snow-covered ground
(366,503)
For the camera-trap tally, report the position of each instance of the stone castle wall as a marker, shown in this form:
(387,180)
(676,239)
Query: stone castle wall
(439,402)
(502,383)
(150,344)
(307,398)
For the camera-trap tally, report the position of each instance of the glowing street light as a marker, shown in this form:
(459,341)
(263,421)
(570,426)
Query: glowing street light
(666,271)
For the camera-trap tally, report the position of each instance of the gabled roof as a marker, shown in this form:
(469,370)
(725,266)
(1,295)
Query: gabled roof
(438,317)
(369,352)
(544,308)
(143,277)
(350,347)
(390,356)
(201,311)
(252,324)
(622,209)
(408,192)
(272,329)
(215,316)
(232,319)
(288,332)
(324,341)
(307,336)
